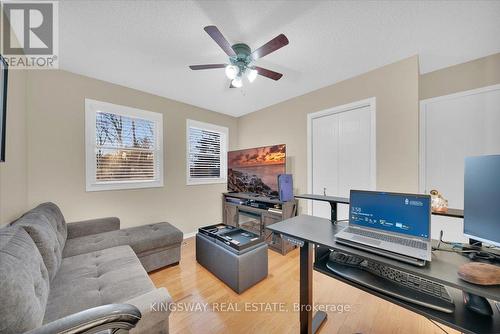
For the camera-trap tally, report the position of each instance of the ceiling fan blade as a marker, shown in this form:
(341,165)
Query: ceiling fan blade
(271,46)
(268,73)
(217,36)
(207,66)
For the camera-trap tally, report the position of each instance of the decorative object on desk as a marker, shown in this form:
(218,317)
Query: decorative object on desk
(438,202)
(480,273)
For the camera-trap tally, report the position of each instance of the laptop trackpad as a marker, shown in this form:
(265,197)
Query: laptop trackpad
(366,240)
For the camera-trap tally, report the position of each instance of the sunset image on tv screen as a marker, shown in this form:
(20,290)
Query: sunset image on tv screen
(256,170)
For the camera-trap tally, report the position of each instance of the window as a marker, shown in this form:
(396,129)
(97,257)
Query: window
(124,147)
(206,153)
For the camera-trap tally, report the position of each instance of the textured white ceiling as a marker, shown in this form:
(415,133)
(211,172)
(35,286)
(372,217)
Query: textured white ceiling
(148,45)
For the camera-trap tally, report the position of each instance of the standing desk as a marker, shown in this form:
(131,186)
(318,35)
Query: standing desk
(309,232)
(334,201)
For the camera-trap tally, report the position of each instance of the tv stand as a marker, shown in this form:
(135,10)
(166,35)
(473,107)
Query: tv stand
(254,213)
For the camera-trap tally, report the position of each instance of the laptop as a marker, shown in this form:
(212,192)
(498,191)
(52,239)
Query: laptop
(390,224)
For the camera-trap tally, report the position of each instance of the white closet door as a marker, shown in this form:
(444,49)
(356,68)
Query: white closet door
(341,156)
(324,161)
(454,127)
(354,158)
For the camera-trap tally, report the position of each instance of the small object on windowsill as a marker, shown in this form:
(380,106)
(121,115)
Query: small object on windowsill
(438,202)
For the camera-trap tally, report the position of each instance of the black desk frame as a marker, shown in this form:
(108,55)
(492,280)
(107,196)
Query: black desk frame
(310,323)
(334,201)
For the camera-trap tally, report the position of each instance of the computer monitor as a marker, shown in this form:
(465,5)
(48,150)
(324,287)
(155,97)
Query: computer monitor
(482,199)
(406,214)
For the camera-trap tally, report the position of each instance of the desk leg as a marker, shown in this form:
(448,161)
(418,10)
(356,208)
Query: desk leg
(333,213)
(308,323)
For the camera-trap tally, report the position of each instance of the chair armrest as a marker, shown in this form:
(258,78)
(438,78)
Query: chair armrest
(92,226)
(118,317)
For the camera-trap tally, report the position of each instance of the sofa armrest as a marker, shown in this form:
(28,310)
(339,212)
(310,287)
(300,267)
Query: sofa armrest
(92,226)
(118,317)
(155,309)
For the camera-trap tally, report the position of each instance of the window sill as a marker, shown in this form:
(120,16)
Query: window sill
(123,185)
(191,182)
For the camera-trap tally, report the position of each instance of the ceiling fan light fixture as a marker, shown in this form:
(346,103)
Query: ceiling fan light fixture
(251,74)
(237,82)
(232,71)
(241,58)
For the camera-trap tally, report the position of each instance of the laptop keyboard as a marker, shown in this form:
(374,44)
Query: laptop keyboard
(388,238)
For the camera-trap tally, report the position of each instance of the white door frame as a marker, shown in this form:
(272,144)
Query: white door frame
(371,103)
(422,121)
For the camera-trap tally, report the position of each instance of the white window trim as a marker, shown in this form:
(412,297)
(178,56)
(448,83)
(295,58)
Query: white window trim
(224,147)
(91,108)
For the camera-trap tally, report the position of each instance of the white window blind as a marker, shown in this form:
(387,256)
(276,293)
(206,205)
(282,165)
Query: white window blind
(206,153)
(124,147)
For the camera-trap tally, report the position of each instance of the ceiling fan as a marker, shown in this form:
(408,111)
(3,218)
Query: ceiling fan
(241,58)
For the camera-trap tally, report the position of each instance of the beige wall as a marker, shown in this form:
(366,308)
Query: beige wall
(473,74)
(395,87)
(13,172)
(56,159)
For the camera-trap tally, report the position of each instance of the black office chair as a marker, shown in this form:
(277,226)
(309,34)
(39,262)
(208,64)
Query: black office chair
(109,319)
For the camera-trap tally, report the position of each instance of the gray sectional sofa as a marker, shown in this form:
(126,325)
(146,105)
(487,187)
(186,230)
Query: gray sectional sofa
(55,276)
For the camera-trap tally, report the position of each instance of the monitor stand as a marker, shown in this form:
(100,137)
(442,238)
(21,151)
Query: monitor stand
(474,242)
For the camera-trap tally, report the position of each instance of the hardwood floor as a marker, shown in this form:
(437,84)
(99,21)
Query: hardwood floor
(189,283)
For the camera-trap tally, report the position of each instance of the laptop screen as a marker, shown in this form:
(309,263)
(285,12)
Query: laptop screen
(400,213)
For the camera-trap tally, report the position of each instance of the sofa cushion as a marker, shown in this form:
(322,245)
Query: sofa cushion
(140,238)
(56,219)
(45,237)
(106,276)
(24,282)
(54,216)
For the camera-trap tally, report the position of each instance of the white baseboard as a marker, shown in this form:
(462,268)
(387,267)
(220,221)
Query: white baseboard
(189,235)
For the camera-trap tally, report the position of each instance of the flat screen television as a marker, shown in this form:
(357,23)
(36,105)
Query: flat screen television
(3,105)
(256,170)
